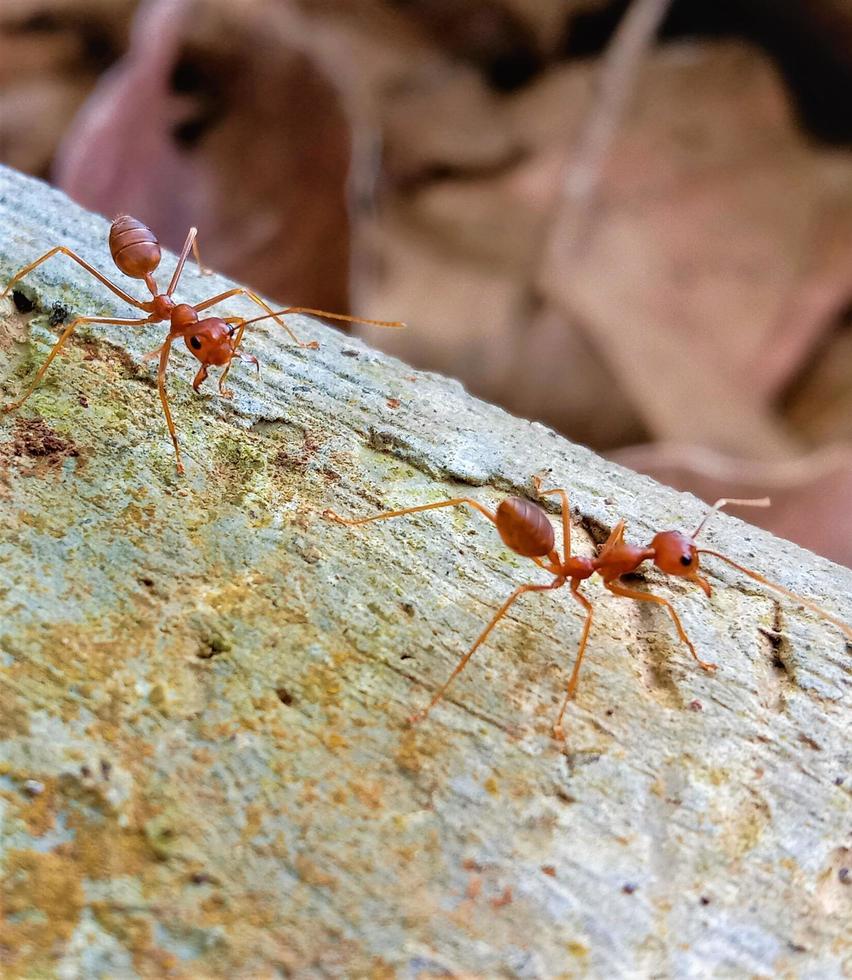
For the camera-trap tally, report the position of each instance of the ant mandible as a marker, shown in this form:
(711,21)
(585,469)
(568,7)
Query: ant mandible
(526,529)
(213,341)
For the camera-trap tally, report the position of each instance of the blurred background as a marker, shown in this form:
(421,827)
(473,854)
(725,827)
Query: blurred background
(629,220)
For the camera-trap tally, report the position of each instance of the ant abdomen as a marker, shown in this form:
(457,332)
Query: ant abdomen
(134,247)
(525,528)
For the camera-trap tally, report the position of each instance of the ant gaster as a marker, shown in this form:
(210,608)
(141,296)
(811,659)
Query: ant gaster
(212,341)
(526,529)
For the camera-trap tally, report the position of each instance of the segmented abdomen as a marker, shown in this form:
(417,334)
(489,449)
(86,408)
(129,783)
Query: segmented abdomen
(524,527)
(134,247)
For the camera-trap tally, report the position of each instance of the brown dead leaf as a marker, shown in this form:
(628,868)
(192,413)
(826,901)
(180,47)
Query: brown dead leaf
(219,117)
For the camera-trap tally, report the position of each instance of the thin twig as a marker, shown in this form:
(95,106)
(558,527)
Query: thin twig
(616,82)
(569,218)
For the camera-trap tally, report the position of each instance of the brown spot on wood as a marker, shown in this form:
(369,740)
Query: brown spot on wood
(299,460)
(474,887)
(505,898)
(35,438)
(42,899)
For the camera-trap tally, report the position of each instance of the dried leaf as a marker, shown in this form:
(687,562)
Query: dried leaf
(217,117)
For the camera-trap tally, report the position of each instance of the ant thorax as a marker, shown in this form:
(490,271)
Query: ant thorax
(182,316)
(162,306)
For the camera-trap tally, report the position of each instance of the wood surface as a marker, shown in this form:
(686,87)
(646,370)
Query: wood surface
(205,766)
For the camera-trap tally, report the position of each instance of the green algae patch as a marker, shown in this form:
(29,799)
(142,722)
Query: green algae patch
(238,452)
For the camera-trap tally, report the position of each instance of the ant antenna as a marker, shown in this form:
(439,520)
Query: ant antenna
(393,324)
(764,502)
(843,627)
(723,502)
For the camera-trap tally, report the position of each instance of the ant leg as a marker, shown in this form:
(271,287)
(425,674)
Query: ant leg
(616,537)
(238,339)
(200,378)
(616,588)
(223,391)
(566,513)
(181,262)
(501,612)
(57,347)
(202,268)
(227,392)
(571,690)
(843,627)
(412,510)
(242,291)
(161,387)
(90,269)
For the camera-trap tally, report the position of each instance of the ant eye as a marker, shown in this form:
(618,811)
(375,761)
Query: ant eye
(686,560)
(195,342)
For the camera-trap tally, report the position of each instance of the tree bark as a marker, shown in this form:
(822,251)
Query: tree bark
(205,765)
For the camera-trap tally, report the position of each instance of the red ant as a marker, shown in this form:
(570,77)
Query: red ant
(213,341)
(526,529)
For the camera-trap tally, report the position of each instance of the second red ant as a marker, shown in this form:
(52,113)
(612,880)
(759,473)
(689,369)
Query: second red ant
(526,529)
(213,340)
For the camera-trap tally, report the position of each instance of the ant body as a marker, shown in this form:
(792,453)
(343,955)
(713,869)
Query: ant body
(526,529)
(213,340)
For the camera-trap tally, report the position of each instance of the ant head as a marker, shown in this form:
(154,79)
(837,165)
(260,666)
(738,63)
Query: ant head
(676,554)
(210,341)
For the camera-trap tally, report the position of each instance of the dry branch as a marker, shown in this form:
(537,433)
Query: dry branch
(204,765)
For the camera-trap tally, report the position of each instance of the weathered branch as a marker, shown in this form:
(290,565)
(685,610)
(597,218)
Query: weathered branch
(204,683)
